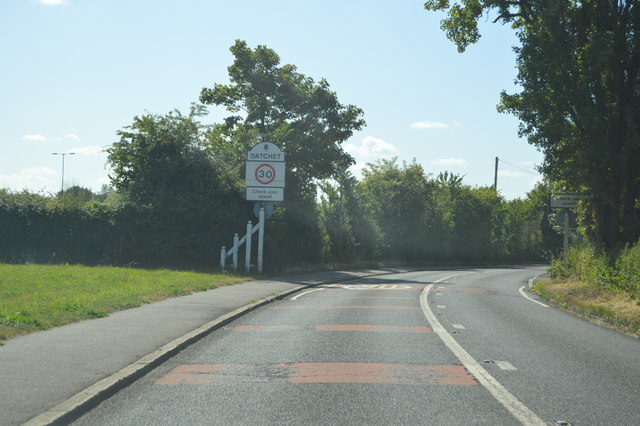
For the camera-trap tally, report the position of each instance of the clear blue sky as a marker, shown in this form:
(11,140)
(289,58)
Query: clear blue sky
(74,72)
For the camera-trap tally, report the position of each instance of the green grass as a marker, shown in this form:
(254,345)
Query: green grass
(39,297)
(616,308)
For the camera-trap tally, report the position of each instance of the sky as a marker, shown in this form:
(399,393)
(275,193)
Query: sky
(74,72)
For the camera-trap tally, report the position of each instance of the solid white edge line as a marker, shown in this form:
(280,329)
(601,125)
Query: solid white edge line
(305,292)
(531,299)
(499,392)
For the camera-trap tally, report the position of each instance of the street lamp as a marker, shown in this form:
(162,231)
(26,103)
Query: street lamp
(63,154)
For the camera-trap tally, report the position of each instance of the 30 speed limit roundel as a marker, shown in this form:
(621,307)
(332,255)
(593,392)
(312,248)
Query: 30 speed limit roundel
(265,174)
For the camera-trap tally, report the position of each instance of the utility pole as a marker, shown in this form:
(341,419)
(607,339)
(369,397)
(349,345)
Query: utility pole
(495,177)
(63,154)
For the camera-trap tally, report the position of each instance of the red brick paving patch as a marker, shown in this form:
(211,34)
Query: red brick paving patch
(324,372)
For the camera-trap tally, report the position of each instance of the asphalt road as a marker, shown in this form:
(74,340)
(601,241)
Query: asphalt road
(431,347)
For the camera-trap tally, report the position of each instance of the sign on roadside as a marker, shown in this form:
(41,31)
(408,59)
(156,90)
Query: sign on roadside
(265,173)
(564,201)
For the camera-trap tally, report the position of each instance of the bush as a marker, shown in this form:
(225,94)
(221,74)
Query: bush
(620,272)
(628,266)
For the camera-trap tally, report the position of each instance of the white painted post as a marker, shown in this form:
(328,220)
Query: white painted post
(247,251)
(235,252)
(261,239)
(223,257)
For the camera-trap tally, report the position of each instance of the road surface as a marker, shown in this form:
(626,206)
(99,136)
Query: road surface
(467,346)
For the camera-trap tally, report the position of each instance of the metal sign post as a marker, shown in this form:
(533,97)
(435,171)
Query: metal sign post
(261,240)
(565,201)
(565,240)
(247,251)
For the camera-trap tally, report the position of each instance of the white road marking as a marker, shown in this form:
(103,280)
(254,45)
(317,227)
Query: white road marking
(442,307)
(529,298)
(499,392)
(438,294)
(302,294)
(374,286)
(459,326)
(505,365)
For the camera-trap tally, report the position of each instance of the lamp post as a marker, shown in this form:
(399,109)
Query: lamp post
(63,155)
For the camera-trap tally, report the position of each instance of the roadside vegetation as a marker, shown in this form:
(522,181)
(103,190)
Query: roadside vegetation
(578,103)
(598,286)
(39,297)
(177,191)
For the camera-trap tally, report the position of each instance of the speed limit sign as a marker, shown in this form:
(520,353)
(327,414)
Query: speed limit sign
(265,174)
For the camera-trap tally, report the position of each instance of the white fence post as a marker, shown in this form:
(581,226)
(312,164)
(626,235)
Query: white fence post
(223,257)
(235,252)
(247,252)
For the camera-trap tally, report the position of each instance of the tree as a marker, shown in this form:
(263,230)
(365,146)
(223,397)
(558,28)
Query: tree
(351,232)
(274,102)
(183,201)
(399,198)
(77,194)
(303,117)
(579,69)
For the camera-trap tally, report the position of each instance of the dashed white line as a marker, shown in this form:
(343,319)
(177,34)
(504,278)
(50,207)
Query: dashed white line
(499,392)
(505,365)
(442,307)
(531,299)
(459,326)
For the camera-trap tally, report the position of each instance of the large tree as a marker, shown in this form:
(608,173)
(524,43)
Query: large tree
(276,102)
(579,69)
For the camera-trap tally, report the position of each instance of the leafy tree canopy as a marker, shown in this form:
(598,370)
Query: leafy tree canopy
(276,102)
(579,69)
(160,160)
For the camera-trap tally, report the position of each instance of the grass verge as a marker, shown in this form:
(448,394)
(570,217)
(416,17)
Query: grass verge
(612,308)
(39,297)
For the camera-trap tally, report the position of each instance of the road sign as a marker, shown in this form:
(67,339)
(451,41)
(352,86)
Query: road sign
(265,173)
(264,194)
(564,201)
(266,152)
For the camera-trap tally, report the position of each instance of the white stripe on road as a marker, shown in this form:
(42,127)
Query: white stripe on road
(499,392)
(506,365)
(459,326)
(302,294)
(529,298)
